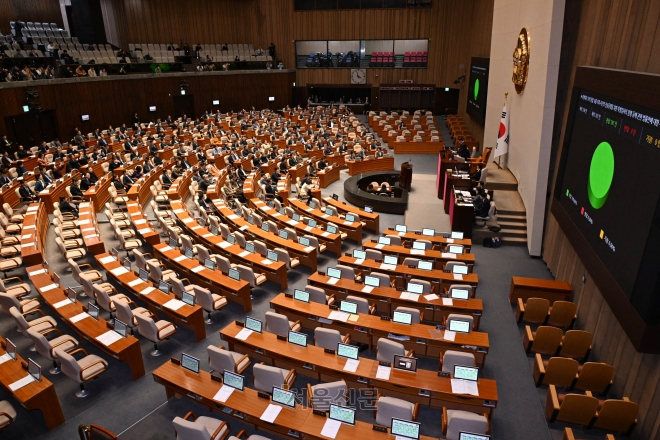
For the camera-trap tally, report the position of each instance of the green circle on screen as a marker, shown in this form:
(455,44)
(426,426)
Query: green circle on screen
(476,88)
(601,174)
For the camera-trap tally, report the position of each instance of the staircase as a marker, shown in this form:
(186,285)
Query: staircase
(514,227)
(511,213)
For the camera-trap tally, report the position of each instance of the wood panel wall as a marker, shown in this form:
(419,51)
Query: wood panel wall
(114,101)
(619,34)
(42,11)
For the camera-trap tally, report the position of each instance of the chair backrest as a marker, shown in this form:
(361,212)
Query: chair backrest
(547,340)
(461,287)
(416,314)
(187,430)
(204,298)
(277,323)
(373,254)
(464,421)
(390,407)
(562,313)
(260,248)
(41,343)
(222,263)
(240,239)
(328,393)
(362,303)
(576,344)
(426,285)
(595,377)
(154,272)
(395,240)
(326,338)
(69,365)
(346,272)
(387,349)
(410,261)
(560,372)
(247,274)
(103,299)
(267,377)
(536,310)
(147,327)
(8,301)
(316,294)
(140,261)
(451,358)
(20,320)
(124,312)
(577,408)
(458,317)
(220,359)
(202,252)
(186,241)
(617,415)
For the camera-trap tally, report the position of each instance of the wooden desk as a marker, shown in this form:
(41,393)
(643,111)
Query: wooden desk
(33,234)
(328,175)
(436,239)
(461,216)
(190,317)
(439,258)
(369,328)
(90,228)
(274,271)
(141,190)
(142,224)
(98,194)
(454,182)
(36,395)
(352,229)
(427,147)
(445,279)
(52,194)
(363,166)
(315,363)
(551,290)
(125,350)
(448,164)
(235,291)
(332,241)
(387,299)
(371,219)
(337,159)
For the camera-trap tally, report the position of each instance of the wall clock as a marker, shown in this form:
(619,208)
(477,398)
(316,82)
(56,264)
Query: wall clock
(358,76)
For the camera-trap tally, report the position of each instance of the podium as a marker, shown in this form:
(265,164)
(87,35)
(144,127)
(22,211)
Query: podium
(405,178)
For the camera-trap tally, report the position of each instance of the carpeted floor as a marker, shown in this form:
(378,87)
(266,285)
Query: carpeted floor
(139,410)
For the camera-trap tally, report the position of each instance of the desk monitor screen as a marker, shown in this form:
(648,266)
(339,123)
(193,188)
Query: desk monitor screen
(234,274)
(190,363)
(164,287)
(425,265)
(328,211)
(331,229)
(188,253)
(249,247)
(405,363)
(71,294)
(34,370)
(250,219)
(264,227)
(298,338)
(470,436)
(231,239)
(93,311)
(127,264)
(214,230)
(420,246)
(347,351)
(144,275)
(350,217)
(56,279)
(456,325)
(405,428)
(401,228)
(304,241)
(115,253)
(283,211)
(296,217)
(284,235)
(358,254)
(11,349)
(334,273)
(301,295)
(348,307)
(272,256)
(120,327)
(385,240)
(201,222)
(459,293)
(312,223)
(173,243)
(209,264)
(253,324)
(391,259)
(369,209)
(455,249)
(467,373)
(372,281)
(461,269)
(428,232)
(311,204)
(283,397)
(233,380)
(402,318)
(457,235)
(188,298)
(415,288)
(343,414)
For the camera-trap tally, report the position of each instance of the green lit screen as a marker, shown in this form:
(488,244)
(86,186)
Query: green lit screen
(478,88)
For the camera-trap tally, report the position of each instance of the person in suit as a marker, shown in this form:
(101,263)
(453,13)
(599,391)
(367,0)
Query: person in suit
(323,164)
(233,157)
(167,179)
(6,160)
(45,177)
(6,143)
(21,153)
(27,195)
(67,206)
(75,188)
(283,166)
(379,153)
(20,169)
(481,203)
(476,176)
(39,184)
(117,183)
(43,148)
(292,161)
(127,180)
(240,173)
(58,169)
(85,182)
(463,150)
(4,178)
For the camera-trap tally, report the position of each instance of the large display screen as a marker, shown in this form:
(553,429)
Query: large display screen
(609,185)
(478,89)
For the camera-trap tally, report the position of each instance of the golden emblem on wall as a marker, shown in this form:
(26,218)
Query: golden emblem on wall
(521,61)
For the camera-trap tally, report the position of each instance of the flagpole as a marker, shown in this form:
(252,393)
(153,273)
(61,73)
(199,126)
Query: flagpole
(499,158)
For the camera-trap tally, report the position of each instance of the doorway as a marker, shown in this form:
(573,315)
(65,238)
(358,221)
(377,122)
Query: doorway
(31,128)
(184,105)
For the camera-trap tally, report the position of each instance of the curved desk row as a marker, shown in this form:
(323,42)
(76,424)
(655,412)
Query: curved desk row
(435,239)
(439,258)
(366,165)
(33,234)
(371,219)
(352,229)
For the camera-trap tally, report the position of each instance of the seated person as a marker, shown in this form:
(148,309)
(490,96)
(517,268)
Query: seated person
(481,204)
(26,193)
(67,206)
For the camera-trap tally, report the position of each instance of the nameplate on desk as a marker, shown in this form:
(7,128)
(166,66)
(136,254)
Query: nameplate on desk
(288,295)
(239,323)
(443,374)
(384,318)
(214,377)
(281,338)
(333,307)
(384,363)
(379,428)
(318,412)
(263,395)
(329,350)
(175,361)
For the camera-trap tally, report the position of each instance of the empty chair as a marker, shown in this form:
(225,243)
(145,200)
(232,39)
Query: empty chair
(458,317)
(88,287)
(105,301)
(385,280)
(192,427)
(7,414)
(126,314)
(321,396)
(417,316)
(557,371)
(157,274)
(40,324)
(395,240)
(388,408)
(387,349)
(155,331)
(280,324)
(76,271)
(450,358)
(83,370)
(449,266)
(179,286)
(329,338)
(46,347)
(576,344)
(595,377)
(141,259)
(14,286)
(313,241)
(222,263)
(617,415)
(283,256)
(545,340)
(9,264)
(373,254)
(317,295)
(346,272)
(579,409)
(265,377)
(208,301)
(456,421)
(247,274)
(363,305)
(533,311)
(562,314)
(460,287)
(221,359)
(7,301)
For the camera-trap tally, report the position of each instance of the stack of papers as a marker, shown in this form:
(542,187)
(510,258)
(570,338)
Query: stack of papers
(461,386)
(197,269)
(223,394)
(449,335)
(331,428)
(224,244)
(165,249)
(417,252)
(450,240)
(447,302)
(140,222)
(410,296)
(244,334)
(135,282)
(147,291)
(339,316)
(359,261)
(388,266)
(180,258)
(37,272)
(244,254)
(64,302)
(271,413)
(174,304)
(48,287)
(351,365)
(267,262)
(380,246)
(367,289)
(309,248)
(78,317)
(333,280)
(108,337)
(4,358)
(458,276)
(448,255)
(187,220)
(431,297)
(21,383)
(383,372)
(121,270)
